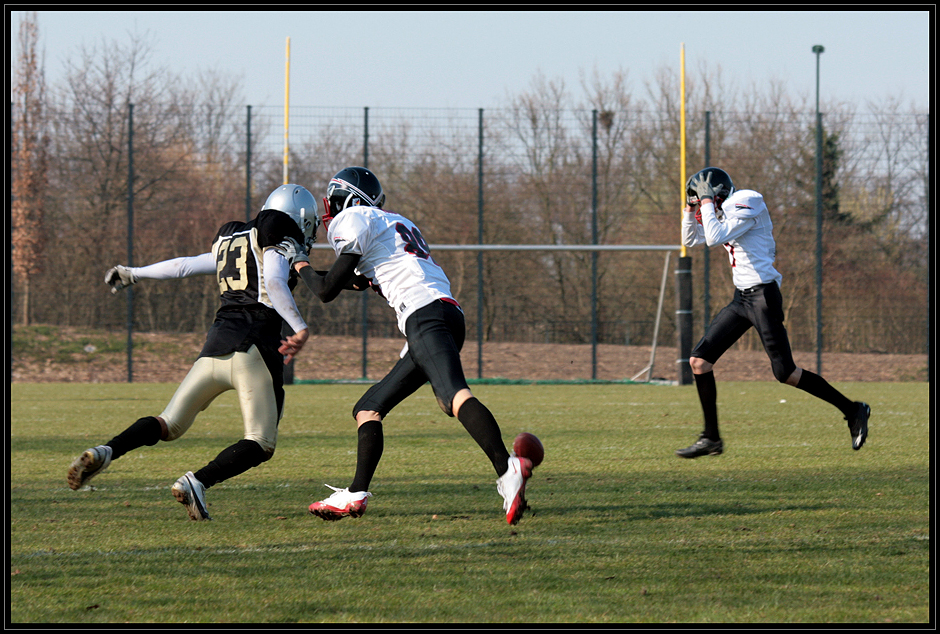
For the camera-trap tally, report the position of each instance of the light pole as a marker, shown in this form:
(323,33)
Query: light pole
(818,49)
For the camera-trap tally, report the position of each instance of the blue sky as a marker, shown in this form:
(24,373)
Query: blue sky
(478,59)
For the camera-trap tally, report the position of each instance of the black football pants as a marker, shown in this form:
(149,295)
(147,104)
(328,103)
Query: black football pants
(761,307)
(435,335)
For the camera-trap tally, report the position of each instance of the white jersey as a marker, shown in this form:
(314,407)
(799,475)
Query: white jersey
(746,232)
(395,257)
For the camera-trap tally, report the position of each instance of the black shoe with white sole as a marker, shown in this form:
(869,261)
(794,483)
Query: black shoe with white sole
(858,425)
(702,447)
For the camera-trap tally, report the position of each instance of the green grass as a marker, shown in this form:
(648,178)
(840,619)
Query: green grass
(52,343)
(788,526)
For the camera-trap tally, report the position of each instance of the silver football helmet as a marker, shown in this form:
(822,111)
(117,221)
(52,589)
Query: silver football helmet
(300,205)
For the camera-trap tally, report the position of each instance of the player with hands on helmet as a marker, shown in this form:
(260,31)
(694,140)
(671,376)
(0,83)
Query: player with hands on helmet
(241,348)
(704,189)
(388,252)
(715,214)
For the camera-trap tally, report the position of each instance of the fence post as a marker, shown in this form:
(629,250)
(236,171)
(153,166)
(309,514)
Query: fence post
(594,242)
(248,166)
(706,258)
(480,253)
(819,297)
(365,296)
(130,240)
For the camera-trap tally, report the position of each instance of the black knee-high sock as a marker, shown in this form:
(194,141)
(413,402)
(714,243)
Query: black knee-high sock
(368,453)
(232,461)
(484,429)
(146,431)
(814,384)
(708,396)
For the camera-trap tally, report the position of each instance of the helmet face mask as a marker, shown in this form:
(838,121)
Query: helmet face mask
(300,205)
(718,177)
(351,187)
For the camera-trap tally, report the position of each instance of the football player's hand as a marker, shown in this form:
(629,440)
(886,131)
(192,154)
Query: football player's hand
(704,188)
(293,345)
(360,283)
(293,251)
(119,277)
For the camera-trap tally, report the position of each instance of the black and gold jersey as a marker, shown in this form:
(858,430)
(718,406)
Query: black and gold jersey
(239,255)
(247,316)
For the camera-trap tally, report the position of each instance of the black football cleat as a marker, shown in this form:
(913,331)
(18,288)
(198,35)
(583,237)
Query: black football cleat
(702,447)
(858,425)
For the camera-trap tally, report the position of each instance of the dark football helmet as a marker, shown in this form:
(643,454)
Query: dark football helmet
(718,177)
(350,187)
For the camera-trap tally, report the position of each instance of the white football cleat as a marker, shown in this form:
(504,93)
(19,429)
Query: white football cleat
(92,462)
(343,503)
(191,493)
(511,485)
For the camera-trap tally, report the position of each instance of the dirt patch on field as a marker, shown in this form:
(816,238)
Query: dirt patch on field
(72,355)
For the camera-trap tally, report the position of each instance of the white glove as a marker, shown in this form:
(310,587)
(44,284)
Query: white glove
(292,250)
(119,277)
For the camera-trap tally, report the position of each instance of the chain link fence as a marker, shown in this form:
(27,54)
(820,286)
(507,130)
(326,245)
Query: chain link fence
(496,177)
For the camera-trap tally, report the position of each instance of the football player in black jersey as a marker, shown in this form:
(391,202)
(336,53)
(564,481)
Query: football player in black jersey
(241,348)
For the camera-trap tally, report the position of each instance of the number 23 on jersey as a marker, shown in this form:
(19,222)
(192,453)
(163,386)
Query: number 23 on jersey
(232,264)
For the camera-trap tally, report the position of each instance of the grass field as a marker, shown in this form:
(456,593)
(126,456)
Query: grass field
(788,526)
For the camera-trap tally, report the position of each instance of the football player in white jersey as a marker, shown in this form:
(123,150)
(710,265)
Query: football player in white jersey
(387,251)
(739,220)
(241,348)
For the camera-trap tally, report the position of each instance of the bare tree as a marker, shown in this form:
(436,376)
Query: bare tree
(30,160)
(189,151)
(186,148)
